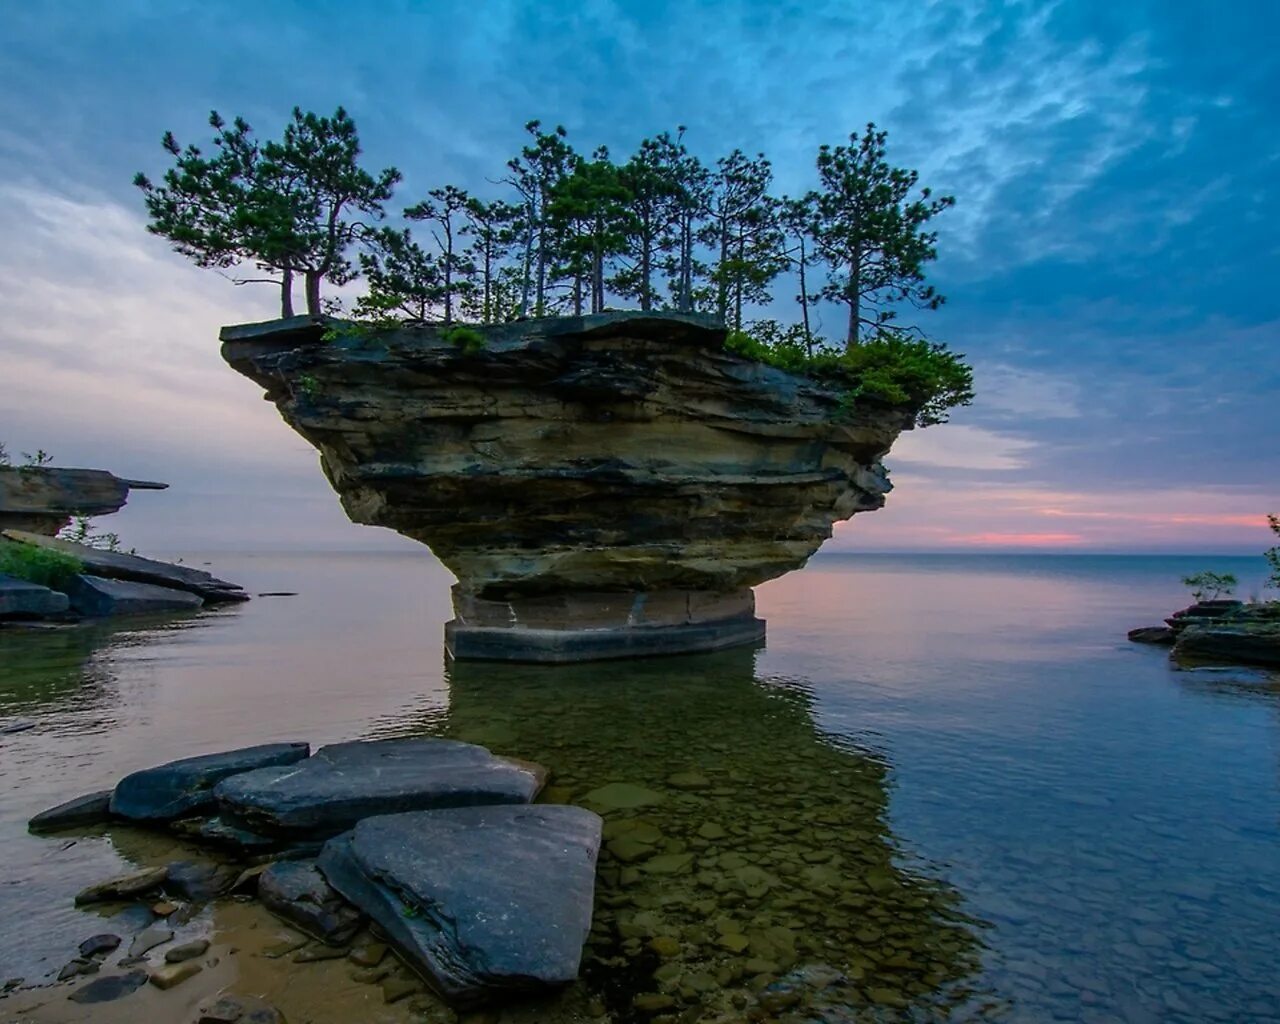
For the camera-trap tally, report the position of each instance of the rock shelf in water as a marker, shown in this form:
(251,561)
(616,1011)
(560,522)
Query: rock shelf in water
(601,486)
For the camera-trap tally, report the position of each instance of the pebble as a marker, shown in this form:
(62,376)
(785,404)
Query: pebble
(397,988)
(174,974)
(186,951)
(149,938)
(98,945)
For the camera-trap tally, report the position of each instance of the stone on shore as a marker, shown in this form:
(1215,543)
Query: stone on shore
(192,880)
(487,902)
(123,887)
(346,782)
(186,951)
(95,597)
(1246,642)
(22,600)
(83,811)
(1161,635)
(116,565)
(110,987)
(298,893)
(185,787)
(100,945)
(234,1009)
(174,974)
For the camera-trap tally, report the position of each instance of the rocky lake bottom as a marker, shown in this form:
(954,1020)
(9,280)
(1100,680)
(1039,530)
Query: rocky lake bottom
(947,789)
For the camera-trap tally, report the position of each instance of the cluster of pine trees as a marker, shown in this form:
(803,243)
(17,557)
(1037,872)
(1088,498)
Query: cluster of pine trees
(574,233)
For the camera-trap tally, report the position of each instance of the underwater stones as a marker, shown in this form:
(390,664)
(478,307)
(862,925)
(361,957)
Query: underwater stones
(485,901)
(346,782)
(123,887)
(192,880)
(147,939)
(601,486)
(297,892)
(81,812)
(185,787)
(620,796)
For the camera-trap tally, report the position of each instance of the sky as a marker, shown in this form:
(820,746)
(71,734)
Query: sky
(1110,264)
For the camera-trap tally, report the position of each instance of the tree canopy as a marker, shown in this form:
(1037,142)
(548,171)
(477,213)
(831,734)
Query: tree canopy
(659,228)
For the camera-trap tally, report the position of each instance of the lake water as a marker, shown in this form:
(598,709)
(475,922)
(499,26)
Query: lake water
(948,782)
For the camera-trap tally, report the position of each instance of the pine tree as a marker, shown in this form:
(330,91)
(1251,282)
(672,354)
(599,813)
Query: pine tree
(492,228)
(743,230)
(651,179)
(590,208)
(534,175)
(403,277)
(446,211)
(871,235)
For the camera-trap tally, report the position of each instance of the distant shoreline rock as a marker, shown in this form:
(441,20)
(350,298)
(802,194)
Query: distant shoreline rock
(1221,631)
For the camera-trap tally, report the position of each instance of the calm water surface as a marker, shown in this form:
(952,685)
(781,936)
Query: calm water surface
(949,781)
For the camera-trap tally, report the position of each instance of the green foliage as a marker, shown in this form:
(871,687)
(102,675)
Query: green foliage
(43,566)
(1208,586)
(1272,555)
(466,338)
(285,206)
(81,531)
(308,385)
(4,455)
(891,368)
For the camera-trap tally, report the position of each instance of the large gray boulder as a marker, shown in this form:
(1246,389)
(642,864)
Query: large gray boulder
(296,891)
(96,597)
(486,902)
(116,565)
(183,788)
(22,600)
(345,782)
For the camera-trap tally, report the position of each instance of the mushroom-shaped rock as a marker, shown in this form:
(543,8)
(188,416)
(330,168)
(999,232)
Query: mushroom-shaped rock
(486,902)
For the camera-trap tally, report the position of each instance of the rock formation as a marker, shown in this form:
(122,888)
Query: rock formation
(600,486)
(43,499)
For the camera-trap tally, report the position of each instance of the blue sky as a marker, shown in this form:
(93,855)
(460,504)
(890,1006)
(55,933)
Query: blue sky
(1110,263)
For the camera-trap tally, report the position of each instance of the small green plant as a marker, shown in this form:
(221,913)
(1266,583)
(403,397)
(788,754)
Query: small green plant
(308,385)
(38,565)
(466,338)
(1209,586)
(888,368)
(81,531)
(1272,555)
(36,459)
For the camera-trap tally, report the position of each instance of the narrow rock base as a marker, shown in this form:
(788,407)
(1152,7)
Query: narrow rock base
(598,626)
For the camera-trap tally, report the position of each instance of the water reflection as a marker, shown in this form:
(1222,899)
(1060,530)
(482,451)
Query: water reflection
(748,862)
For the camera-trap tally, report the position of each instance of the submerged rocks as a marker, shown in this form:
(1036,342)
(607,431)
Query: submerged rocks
(345,782)
(185,787)
(109,988)
(83,811)
(96,597)
(297,892)
(486,901)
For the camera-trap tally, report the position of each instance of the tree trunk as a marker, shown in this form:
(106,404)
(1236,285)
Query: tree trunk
(646,272)
(286,293)
(804,304)
(854,296)
(312,279)
(488,285)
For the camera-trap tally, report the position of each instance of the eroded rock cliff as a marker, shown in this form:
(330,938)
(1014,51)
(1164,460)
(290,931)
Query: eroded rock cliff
(625,454)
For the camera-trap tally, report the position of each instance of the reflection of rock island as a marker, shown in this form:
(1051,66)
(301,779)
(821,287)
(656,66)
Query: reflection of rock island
(601,486)
(748,861)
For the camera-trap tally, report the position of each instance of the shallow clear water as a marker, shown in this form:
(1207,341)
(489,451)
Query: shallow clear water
(949,779)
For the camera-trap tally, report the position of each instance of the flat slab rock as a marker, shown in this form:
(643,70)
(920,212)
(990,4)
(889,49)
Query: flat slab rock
(185,787)
(81,812)
(21,600)
(345,782)
(117,565)
(96,596)
(487,902)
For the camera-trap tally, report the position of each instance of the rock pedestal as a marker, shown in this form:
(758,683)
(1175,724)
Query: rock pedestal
(601,486)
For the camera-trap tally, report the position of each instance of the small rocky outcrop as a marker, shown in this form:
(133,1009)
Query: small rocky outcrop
(43,499)
(80,812)
(345,782)
(184,788)
(1220,631)
(485,901)
(117,565)
(96,597)
(601,486)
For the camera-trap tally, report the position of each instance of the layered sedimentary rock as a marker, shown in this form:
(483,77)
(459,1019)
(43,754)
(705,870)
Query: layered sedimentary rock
(600,485)
(43,499)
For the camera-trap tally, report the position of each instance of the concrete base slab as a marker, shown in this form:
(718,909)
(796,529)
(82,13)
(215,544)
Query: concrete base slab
(481,643)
